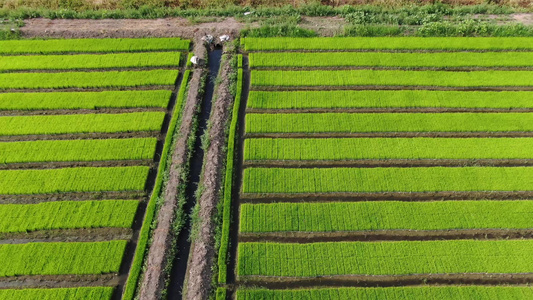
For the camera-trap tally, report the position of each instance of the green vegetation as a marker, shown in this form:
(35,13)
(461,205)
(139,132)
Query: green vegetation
(144,235)
(385,215)
(89,61)
(388,43)
(361,180)
(87,79)
(388,148)
(388,122)
(84,123)
(92,45)
(77,150)
(84,100)
(80,293)
(374,59)
(391,78)
(61,258)
(228,186)
(67,215)
(389,99)
(46,181)
(385,258)
(415,292)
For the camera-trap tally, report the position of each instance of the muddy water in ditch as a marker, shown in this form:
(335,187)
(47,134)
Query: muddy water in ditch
(179,266)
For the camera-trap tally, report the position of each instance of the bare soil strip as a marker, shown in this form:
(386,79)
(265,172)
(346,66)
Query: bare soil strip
(386,110)
(32,199)
(385,235)
(203,249)
(67,235)
(374,163)
(412,68)
(81,136)
(147,68)
(153,282)
(79,111)
(389,87)
(57,281)
(272,282)
(76,164)
(122,88)
(397,196)
(392,50)
(389,134)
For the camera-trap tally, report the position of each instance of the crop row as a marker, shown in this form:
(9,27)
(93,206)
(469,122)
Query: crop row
(67,215)
(391,78)
(387,148)
(423,179)
(65,180)
(78,150)
(80,293)
(414,293)
(84,123)
(90,61)
(383,59)
(386,43)
(61,258)
(84,100)
(385,258)
(87,79)
(92,45)
(388,99)
(388,122)
(385,215)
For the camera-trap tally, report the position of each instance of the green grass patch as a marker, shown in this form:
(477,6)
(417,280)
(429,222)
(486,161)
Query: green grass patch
(80,293)
(385,215)
(89,61)
(388,122)
(389,99)
(84,123)
(84,100)
(87,79)
(61,258)
(92,45)
(384,59)
(389,43)
(48,181)
(78,150)
(391,78)
(385,258)
(369,180)
(67,215)
(414,292)
(388,148)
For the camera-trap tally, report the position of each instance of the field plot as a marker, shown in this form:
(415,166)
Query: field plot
(386,162)
(79,166)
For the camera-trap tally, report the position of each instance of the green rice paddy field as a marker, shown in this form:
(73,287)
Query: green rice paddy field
(304,229)
(78,142)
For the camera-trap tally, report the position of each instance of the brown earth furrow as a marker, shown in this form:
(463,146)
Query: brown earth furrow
(386,110)
(389,87)
(392,50)
(385,196)
(385,235)
(374,163)
(407,68)
(153,281)
(389,134)
(147,68)
(99,89)
(79,111)
(273,282)
(90,53)
(67,235)
(200,272)
(81,136)
(32,199)
(77,164)
(57,281)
